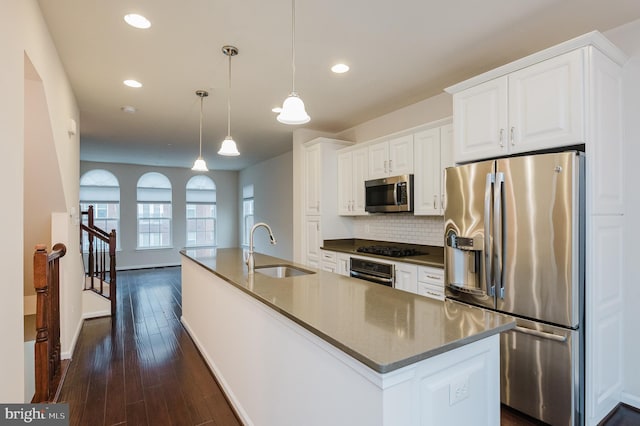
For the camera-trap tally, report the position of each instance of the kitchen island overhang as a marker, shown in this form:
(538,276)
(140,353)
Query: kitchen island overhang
(328,349)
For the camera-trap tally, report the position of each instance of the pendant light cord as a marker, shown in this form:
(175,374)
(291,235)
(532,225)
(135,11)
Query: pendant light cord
(293,45)
(201,99)
(229,101)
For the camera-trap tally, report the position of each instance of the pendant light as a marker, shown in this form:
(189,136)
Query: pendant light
(199,165)
(228,147)
(293,111)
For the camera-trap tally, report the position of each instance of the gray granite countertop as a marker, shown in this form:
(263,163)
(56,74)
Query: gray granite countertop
(431,255)
(381,327)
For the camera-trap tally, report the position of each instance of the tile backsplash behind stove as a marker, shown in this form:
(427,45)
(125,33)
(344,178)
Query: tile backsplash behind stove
(401,228)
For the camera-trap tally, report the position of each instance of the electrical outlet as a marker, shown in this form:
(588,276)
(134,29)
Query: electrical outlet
(458,390)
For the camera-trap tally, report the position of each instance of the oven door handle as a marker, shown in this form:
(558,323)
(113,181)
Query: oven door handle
(374,278)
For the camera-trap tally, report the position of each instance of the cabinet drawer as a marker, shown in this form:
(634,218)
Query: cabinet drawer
(329,256)
(431,290)
(431,275)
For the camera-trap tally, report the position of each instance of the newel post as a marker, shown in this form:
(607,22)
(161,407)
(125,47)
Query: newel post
(40,283)
(112,272)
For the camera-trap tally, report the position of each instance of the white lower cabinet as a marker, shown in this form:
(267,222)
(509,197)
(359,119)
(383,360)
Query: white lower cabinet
(344,264)
(328,262)
(406,277)
(313,240)
(431,282)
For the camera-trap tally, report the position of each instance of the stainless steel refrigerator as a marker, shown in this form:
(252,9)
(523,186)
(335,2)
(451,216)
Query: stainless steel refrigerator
(514,243)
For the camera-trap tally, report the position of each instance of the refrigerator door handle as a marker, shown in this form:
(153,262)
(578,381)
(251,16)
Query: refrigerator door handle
(487,234)
(541,334)
(498,233)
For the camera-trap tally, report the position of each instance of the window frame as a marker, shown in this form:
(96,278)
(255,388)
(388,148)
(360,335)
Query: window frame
(162,190)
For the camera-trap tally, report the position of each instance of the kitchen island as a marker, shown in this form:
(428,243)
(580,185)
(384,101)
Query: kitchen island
(323,349)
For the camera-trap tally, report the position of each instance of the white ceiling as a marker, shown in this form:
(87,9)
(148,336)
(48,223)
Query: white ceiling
(400,52)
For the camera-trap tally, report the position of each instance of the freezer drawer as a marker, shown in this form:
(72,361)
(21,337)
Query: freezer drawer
(541,371)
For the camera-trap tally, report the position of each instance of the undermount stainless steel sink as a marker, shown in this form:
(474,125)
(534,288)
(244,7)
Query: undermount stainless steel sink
(282,271)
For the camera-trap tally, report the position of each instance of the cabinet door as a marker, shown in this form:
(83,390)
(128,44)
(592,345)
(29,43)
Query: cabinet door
(406,277)
(313,241)
(345,183)
(313,163)
(344,264)
(446,160)
(546,104)
(427,172)
(401,156)
(481,121)
(604,312)
(379,160)
(359,165)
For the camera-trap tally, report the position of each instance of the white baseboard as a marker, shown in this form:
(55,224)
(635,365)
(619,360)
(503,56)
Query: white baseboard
(96,314)
(72,347)
(629,399)
(156,265)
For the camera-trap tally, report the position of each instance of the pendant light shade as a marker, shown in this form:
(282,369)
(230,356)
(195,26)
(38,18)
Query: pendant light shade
(200,165)
(293,111)
(229,147)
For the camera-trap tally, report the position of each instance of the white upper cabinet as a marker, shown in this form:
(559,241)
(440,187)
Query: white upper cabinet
(537,107)
(352,172)
(433,150)
(391,158)
(313,179)
(481,120)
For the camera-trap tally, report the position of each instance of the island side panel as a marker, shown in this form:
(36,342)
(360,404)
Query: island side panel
(272,374)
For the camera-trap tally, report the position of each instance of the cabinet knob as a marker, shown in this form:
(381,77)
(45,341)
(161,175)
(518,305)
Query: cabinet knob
(511,135)
(442,201)
(390,165)
(501,136)
(385,166)
(435,202)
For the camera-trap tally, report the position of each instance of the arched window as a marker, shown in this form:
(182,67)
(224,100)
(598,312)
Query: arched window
(101,189)
(201,211)
(247,213)
(154,211)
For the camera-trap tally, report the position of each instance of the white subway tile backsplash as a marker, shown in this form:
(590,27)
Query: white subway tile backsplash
(401,228)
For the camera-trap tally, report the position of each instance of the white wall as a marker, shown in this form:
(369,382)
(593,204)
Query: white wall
(627,37)
(272,182)
(226,203)
(23,32)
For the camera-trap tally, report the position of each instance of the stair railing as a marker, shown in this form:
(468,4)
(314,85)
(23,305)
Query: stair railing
(46,281)
(100,268)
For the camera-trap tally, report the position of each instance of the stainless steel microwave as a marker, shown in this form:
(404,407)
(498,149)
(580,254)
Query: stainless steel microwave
(389,195)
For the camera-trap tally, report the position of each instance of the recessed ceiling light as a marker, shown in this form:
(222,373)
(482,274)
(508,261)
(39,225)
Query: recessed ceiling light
(132,83)
(340,68)
(137,21)
(128,109)
(277,109)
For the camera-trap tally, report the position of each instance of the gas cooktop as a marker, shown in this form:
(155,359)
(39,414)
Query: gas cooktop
(391,251)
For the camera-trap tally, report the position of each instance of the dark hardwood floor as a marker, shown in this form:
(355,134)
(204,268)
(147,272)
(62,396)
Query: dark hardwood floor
(143,368)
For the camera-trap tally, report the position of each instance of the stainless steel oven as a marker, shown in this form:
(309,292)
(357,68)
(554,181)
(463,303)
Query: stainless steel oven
(369,270)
